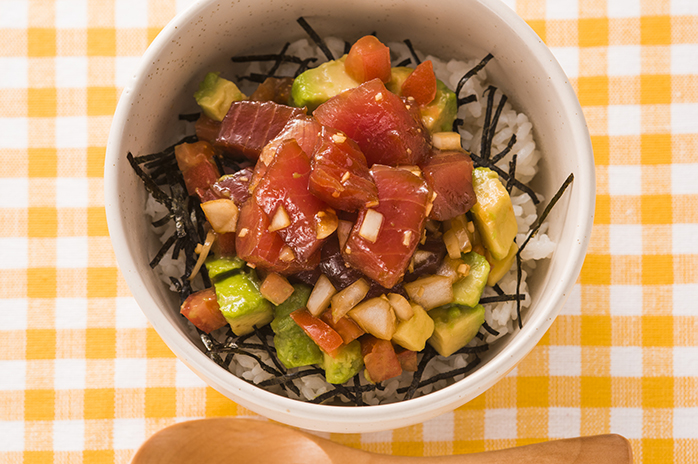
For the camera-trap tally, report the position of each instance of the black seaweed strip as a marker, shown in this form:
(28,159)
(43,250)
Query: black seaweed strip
(165,159)
(465,100)
(177,247)
(489,329)
(163,249)
(404,62)
(277,57)
(271,352)
(357,390)
(191,117)
(546,211)
(278,62)
(485,142)
(162,221)
(254,77)
(494,123)
(325,396)
(518,290)
(427,356)
(316,38)
(503,174)
(500,298)
(512,173)
(505,152)
(473,349)
(498,289)
(456,124)
(219,164)
(450,374)
(289,377)
(408,42)
(150,185)
(239,351)
(347,47)
(304,66)
(472,72)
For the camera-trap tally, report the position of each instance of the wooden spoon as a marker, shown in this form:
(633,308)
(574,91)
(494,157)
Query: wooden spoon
(232,440)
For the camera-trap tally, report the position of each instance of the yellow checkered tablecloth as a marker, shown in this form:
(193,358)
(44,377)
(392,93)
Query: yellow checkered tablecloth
(84,378)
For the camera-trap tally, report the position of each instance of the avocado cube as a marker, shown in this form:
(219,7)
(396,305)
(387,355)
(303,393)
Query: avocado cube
(455,327)
(318,85)
(241,303)
(293,347)
(467,290)
(493,213)
(215,95)
(414,332)
(344,363)
(499,267)
(218,266)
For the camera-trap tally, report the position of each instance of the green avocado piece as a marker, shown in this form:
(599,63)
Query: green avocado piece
(467,291)
(216,266)
(437,116)
(241,302)
(293,347)
(346,363)
(454,327)
(414,332)
(215,95)
(318,85)
(493,213)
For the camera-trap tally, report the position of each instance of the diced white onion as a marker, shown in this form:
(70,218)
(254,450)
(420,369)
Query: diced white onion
(402,307)
(446,140)
(321,295)
(376,317)
(326,223)
(371,226)
(280,220)
(222,214)
(430,292)
(346,299)
(343,231)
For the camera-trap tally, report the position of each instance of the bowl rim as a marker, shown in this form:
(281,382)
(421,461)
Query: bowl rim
(326,417)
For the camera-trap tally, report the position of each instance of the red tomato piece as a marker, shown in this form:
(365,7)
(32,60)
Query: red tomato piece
(195,160)
(380,359)
(368,59)
(322,334)
(450,175)
(345,327)
(339,174)
(408,360)
(386,131)
(202,310)
(206,128)
(421,84)
(285,185)
(403,199)
(249,126)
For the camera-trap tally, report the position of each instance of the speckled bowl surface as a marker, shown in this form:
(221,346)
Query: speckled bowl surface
(205,36)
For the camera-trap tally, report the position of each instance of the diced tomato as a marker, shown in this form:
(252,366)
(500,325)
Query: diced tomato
(368,59)
(250,125)
(345,327)
(276,89)
(380,359)
(195,160)
(339,174)
(202,310)
(257,245)
(206,128)
(403,199)
(421,84)
(379,122)
(450,175)
(322,334)
(284,190)
(408,360)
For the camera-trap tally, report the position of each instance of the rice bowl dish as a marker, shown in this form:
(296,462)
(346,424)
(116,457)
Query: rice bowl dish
(502,318)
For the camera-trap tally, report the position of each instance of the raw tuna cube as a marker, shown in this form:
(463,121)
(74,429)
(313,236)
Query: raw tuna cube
(195,160)
(379,122)
(403,200)
(233,186)
(340,175)
(250,125)
(450,175)
(283,195)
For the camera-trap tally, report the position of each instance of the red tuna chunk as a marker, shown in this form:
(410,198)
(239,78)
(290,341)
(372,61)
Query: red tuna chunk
(250,125)
(450,175)
(403,201)
(233,186)
(263,248)
(283,191)
(379,122)
(340,175)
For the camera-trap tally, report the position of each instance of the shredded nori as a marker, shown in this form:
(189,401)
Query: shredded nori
(315,37)
(489,329)
(408,42)
(191,117)
(404,62)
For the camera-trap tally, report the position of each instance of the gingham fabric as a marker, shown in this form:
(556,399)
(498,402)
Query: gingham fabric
(84,378)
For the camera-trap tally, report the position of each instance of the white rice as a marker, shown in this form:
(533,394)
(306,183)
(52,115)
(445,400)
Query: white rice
(502,317)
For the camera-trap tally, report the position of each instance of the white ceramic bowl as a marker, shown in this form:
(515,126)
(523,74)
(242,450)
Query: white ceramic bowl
(205,36)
